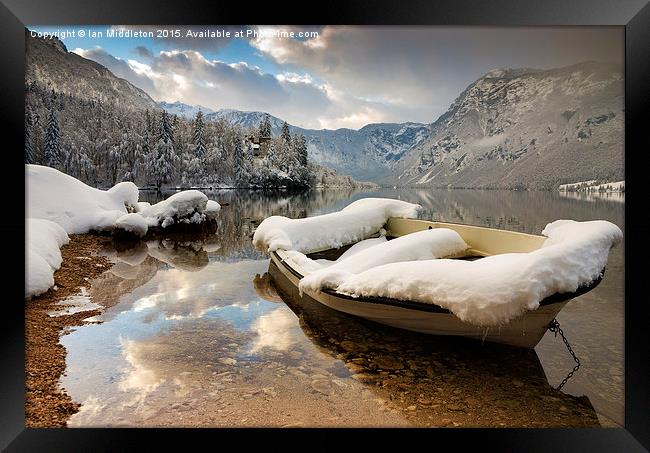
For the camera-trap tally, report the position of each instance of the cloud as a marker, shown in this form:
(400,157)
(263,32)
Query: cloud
(417,71)
(143,52)
(352,76)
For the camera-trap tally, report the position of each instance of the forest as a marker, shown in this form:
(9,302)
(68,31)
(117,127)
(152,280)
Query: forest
(102,144)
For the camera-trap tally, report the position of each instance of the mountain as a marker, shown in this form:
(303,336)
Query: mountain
(49,63)
(525,128)
(184,110)
(366,154)
(250,120)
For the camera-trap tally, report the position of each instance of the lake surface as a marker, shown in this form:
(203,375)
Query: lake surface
(195,334)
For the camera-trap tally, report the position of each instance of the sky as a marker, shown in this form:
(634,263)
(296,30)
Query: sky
(329,77)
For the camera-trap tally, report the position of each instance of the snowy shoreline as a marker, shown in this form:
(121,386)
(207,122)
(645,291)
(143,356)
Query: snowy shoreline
(59,205)
(594,186)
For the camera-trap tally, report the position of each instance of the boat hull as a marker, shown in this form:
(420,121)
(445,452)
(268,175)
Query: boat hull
(524,332)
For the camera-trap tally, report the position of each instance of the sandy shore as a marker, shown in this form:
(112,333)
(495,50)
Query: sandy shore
(46,405)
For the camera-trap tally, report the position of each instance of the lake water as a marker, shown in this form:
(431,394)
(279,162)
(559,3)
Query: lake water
(194,334)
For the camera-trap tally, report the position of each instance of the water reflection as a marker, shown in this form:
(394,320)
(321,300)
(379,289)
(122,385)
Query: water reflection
(459,380)
(194,333)
(618,197)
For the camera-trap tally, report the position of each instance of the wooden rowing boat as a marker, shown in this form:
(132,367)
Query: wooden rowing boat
(525,331)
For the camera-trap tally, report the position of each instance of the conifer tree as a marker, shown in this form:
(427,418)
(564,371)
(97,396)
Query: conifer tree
(286,135)
(265,127)
(300,146)
(199,139)
(52,151)
(165,156)
(29,150)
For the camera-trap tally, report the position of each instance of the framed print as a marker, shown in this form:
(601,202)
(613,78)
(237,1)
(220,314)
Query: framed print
(375,216)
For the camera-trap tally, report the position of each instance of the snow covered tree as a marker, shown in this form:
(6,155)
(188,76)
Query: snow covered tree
(286,135)
(240,170)
(165,155)
(300,147)
(52,151)
(199,132)
(265,127)
(29,150)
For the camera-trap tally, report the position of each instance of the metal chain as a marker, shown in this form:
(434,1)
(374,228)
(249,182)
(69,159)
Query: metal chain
(554,327)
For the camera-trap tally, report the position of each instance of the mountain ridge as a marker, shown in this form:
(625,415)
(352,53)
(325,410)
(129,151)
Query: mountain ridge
(48,61)
(526,128)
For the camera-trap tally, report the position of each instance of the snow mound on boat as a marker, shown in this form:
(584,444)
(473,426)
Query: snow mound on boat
(75,206)
(44,238)
(423,245)
(355,222)
(496,289)
(311,265)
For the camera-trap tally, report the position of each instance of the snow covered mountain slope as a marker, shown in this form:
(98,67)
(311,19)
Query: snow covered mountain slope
(184,110)
(525,128)
(49,63)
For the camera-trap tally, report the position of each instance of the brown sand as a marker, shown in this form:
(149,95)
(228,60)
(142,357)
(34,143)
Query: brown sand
(46,404)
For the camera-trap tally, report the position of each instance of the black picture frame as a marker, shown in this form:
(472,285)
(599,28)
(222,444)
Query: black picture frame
(634,15)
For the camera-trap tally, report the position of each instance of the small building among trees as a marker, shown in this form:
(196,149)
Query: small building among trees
(260,145)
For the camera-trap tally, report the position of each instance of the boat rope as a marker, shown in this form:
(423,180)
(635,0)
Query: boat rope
(554,327)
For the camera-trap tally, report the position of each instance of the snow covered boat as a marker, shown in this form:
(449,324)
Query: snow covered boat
(434,277)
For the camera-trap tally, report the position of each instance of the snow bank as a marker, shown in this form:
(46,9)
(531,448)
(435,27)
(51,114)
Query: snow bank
(58,204)
(44,238)
(496,289)
(423,245)
(76,207)
(355,222)
(133,223)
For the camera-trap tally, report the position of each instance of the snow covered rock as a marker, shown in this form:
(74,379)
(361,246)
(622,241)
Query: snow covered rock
(355,222)
(212,208)
(44,239)
(181,205)
(496,289)
(189,211)
(73,205)
(140,205)
(132,223)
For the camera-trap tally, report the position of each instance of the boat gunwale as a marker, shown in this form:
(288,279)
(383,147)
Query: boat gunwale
(434,308)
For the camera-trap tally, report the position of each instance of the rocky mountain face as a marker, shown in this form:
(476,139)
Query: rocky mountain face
(525,128)
(183,110)
(48,63)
